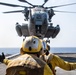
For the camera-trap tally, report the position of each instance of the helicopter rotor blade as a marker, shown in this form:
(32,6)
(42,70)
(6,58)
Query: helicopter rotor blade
(44,2)
(12,5)
(26,2)
(64,11)
(61,5)
(17,11)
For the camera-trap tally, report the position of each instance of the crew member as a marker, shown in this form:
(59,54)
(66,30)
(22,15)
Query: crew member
(28,63)
(55,61)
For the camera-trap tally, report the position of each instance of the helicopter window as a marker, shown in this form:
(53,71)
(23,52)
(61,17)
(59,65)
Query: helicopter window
(45,15)
(38,17)
(37,10)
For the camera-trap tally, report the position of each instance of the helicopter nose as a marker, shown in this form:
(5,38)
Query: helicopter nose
(38,19)
(38,22)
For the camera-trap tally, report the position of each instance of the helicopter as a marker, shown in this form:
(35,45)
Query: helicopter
(39,20)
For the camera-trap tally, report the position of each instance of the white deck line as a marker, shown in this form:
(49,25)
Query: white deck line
(14,55)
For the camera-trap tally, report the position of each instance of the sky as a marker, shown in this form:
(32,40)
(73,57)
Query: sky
(66,21)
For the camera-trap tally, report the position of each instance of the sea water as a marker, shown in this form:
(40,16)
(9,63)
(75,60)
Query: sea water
(63,50)
(52,50)
(9,50)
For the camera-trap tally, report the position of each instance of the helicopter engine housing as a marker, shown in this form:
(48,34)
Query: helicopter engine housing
(22,30)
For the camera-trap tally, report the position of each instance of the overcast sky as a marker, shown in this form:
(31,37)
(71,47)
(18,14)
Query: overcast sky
(66,21)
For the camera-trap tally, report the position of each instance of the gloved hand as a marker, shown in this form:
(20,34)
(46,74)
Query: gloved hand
(2,57)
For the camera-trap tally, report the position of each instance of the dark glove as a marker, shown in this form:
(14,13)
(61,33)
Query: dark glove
(2,57)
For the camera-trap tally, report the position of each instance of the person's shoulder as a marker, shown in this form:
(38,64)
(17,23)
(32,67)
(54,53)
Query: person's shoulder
(50,54)
(56,57)
(24,55)
(50,57)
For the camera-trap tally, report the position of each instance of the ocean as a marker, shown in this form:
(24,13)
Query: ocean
(53,50)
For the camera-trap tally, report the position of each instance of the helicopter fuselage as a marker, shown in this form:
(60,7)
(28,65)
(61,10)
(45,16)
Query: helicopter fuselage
(38,21)
(38,24)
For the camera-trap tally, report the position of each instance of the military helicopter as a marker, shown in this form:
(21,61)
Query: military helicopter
(39,20)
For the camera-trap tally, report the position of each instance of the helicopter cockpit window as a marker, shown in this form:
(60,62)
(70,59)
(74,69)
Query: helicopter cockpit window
(38,10)
(40,16)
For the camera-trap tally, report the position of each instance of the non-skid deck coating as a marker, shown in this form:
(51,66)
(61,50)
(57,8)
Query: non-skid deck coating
(2,69)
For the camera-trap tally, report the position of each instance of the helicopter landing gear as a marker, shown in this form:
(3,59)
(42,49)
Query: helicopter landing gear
(38,28)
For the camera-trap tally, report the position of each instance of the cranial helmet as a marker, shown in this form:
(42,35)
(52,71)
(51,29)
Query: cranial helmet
(45,46)
(32,44)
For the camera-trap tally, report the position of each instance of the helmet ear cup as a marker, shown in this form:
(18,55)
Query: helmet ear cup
(48,47)
(44,45)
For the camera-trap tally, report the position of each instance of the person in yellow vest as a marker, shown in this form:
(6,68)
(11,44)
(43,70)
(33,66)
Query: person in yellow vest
(55,61)
(28,63)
